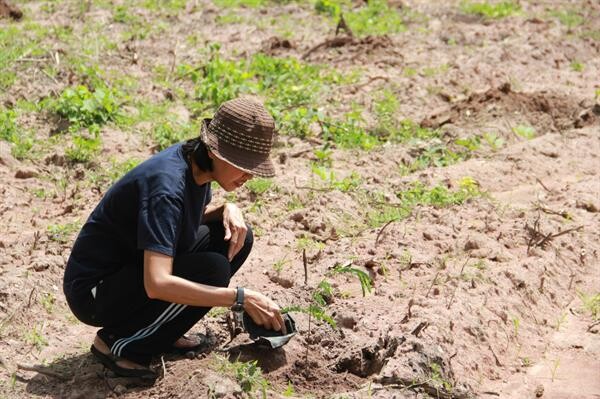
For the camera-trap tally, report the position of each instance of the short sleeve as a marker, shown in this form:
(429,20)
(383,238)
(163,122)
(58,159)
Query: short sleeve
(159,223)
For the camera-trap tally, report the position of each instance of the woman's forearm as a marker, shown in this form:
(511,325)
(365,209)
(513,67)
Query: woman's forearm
(179,290)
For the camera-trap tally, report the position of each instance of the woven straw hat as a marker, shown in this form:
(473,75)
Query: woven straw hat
(242,133)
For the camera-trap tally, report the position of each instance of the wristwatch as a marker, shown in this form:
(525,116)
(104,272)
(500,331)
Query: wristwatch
(238,311)
(238,305)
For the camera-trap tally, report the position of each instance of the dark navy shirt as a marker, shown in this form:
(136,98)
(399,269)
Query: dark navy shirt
(156,206)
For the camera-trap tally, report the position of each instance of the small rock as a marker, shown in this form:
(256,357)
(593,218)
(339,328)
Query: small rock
(346,321)
(371,264)
(25,174)
(436,291)
(297,217)
(587,205)
(427,236)
(471,244)
(539,391)
(119,389)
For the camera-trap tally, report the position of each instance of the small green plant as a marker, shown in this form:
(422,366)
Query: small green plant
(8,126)
(516,324)
(577,66)
(62,232)
(493,140)
(436,376)
(569,18)
(323,295)
(561,320)
(366,284)
(84,108)
(554,368)
(217,312)
(278,265)
(328,7)
(169,132)
(491,11)
(527,132)
(348,183)
(469,143)
(249,376)
(47,301)
(591,303)
(376,18)
(323,156)
(259,185)
(35,338)
(83,148)
(289,390)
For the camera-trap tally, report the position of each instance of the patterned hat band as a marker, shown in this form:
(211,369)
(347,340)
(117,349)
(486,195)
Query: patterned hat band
(242,133)
(240,139)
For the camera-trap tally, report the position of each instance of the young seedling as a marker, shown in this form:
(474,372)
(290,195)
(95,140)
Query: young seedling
(365,280)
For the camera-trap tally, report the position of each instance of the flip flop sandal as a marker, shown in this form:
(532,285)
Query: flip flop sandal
(110,362)
(203,343)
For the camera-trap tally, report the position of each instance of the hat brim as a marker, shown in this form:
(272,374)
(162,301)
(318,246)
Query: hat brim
(261,166)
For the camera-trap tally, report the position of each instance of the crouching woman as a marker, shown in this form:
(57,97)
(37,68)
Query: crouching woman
(155,255)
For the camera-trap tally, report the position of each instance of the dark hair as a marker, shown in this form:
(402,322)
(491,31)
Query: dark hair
(195,149)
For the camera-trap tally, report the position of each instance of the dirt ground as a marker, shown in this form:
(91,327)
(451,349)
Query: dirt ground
(476,300)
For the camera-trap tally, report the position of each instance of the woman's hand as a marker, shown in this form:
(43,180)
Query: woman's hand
(235,229)
(263,311)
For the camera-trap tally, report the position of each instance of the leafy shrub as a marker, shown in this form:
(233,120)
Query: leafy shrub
(491,11)
(84,108)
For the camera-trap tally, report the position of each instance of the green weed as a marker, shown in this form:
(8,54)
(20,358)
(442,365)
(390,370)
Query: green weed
(35,338)
(315,311)
(376,18)
(62,233)
(493,140)
(365,280)
(289,390)
(569,18)
(577,66)
(516,324)
(491,11)
(278,265)
(84,148)
(591,303)
(170,131)
(438,155)
(248,375)
(8,126)
(349,183)
(437,377)
(259,185)
(48,301)
(84,108)
(527,132)
(417,194)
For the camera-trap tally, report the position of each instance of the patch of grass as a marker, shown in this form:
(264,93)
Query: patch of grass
(348,183)
(577,66)
(17,43)
(259,185)
(591,303)
(35,338)
(491,10)
(240,3)
(48,301)
(84,148)
(22,140)
(568,17)
(84,108)
(171,131)
(417,194)
(62,233)
(527,132)
(438,155)
(107,175)
(493,140)
(376,18)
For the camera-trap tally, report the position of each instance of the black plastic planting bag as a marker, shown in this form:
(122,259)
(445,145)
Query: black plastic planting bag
(270,338)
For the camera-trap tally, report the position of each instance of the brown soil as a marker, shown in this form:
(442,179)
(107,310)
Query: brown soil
(475,300)
(8,10)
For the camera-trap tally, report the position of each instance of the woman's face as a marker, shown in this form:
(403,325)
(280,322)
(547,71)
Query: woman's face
(228,176)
